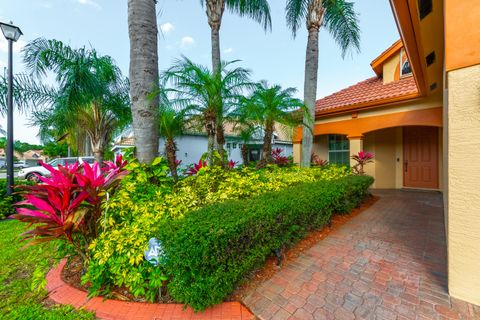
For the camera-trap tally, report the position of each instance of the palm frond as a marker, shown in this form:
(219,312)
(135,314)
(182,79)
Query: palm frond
(341,21)
(295,13)
(258,10)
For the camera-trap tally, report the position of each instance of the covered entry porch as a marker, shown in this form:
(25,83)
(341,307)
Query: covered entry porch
(408,146)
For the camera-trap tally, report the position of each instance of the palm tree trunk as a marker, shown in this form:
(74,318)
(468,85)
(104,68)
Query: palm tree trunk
(215,31)
(97,148)
(142,29)
(310,94)
(171,149)
(245,154)
(220,134)
(210,126)
(314,21)
(215,9)
(267,146)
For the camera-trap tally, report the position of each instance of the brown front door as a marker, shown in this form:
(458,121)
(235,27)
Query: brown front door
(420,157)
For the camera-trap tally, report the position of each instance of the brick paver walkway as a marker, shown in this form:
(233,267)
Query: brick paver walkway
(387,263)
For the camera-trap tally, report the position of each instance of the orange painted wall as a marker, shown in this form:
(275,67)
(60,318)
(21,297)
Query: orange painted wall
(462,33)
(360,126)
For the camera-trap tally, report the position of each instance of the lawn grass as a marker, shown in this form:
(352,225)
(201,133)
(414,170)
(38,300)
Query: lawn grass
(18,300)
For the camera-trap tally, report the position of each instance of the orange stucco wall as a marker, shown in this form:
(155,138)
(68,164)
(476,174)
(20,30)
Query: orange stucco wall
(462,33)
(360,126)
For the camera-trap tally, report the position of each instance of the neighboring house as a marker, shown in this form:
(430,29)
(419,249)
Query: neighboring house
(192,145)
(31,157)
(420,115)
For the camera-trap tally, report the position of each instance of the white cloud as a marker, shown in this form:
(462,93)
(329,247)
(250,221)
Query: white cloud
(17,46)
(90,3)
(187,42)
(167,27)
(228,50)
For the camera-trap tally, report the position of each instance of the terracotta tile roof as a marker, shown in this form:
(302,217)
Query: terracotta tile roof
(365,93)
(126,141)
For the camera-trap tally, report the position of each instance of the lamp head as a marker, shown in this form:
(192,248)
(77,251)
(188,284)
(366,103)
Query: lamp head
(10,31)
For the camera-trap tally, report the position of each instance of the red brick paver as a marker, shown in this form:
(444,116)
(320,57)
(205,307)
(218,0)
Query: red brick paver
(387,263)
(62,293)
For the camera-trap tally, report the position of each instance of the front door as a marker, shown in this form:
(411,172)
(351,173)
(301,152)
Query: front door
(420,157)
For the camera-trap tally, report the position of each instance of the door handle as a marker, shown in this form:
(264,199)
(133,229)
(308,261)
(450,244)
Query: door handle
(406,166)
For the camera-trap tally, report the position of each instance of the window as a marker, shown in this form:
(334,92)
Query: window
(338,149)
(406,68)
(234,145)
(71,161)
(228,146)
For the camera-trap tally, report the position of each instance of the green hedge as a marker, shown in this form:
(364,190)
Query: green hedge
(212,249)
(6,208)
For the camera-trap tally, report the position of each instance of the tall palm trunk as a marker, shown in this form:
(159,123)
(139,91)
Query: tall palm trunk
(142,30)
(215,9)
(210,127)
(267,145)
(171,149)
(314,22)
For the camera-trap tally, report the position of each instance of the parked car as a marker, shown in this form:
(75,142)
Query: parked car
(20,164)
(29,173)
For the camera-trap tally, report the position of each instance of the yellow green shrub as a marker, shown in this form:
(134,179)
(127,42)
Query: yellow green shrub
(148,196)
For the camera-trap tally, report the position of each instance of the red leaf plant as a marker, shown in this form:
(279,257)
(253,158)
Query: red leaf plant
(362,158)
(196,167)
(232,164)
(278,158)
(67,205)
(177,163)
(317,161)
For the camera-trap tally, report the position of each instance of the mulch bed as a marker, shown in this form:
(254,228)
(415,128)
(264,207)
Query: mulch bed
(73,270)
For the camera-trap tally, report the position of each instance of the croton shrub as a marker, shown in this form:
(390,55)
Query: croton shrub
(146,200)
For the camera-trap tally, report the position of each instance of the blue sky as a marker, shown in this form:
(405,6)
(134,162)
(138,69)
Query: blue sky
(274,56)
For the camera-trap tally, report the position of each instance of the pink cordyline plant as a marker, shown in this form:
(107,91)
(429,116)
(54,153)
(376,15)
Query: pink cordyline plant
(362,158)
(278,158)
(196,167)
(232,164)
(317,161)
(67,205)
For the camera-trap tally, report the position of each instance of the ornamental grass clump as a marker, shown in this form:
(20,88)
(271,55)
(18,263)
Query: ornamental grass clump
(68,204)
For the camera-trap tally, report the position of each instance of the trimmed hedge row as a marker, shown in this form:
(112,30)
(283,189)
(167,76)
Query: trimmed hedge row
(212,249)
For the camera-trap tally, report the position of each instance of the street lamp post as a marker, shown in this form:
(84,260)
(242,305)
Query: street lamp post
(11,33)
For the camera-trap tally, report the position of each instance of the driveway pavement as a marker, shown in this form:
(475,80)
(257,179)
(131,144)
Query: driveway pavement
(387,263)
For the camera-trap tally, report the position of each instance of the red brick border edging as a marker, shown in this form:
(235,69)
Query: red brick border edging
(62,293)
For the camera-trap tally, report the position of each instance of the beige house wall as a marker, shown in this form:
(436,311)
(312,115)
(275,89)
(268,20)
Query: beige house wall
(389,68)
(463,125)
(320,146)
(297,152)
(385,145)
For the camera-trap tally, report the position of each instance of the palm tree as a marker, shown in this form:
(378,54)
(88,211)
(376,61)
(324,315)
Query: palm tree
(143,31)
(341,20)
(172,123)
(267,106)
(91,95)
(258,10)
(209,94)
